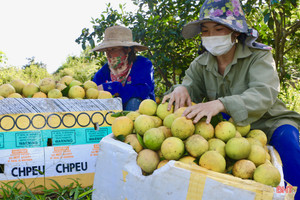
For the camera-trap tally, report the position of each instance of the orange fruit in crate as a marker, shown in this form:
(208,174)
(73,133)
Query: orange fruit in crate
(122,126)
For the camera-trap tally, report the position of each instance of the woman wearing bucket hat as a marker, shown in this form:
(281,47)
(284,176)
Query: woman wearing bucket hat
(125,74)
(237,76)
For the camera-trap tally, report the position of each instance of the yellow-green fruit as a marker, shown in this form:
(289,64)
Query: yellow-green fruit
(196,145)
(162,163)
(238,148)
(231,120)
(254,141)
(167,131)
(178,71)
(66,80)
(148,107)
(243,130)
(90,84)
(47,84)
(55,94)
(213,160)
(169,120)
(6,89)
(244,169)
(91,93)
(268,157)
(172,148)
(179,111)
(162,110)
(148,160)
(205,130)
(18,85)
(238,134)
(132,140)
(133,115)
(1,97)
(76,92)
(39,95)
(218,145)
(157,121)
(259,135)
(153,138)
(182,128)
(122,126)
(104,95)
(143,123)
(75,82)
(190,160)
(257,155)
(60,86)
(225,130)
(30,89)
(15,95)
(267,174)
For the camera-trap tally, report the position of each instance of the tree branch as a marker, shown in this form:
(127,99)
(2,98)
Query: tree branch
(291,47)
(168,83)
(293,28)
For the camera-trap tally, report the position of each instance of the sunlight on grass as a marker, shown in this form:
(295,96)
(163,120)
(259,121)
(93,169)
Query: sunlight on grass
(12,191)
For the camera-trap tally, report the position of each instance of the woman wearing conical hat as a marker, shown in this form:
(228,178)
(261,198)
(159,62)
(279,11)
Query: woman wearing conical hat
(237,76)
(125,74)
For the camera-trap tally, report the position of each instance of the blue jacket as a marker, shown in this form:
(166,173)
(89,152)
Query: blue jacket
(139,84)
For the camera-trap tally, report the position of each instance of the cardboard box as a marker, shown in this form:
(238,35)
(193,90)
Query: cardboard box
(44,139)
(118,176)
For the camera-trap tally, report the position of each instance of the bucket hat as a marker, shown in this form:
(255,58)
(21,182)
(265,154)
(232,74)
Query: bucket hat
(228,13)
(115,36)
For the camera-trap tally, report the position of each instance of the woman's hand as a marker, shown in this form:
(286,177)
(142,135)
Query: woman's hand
(100,87)
(180,96)
(208,109)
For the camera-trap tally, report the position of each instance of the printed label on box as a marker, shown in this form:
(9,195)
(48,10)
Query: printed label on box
(59,137)
(62,160)
(63,137)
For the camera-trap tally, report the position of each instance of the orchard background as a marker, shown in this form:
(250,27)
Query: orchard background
(158,24)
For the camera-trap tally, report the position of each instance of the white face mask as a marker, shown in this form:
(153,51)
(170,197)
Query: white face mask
(218,45)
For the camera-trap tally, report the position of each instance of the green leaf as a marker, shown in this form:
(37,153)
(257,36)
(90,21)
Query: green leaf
(86,193)
(65,91)
(271,23)
(161,159)
(119,114)
(267,17)
(121,138)
(140,139)
(56,183)
(216,119)
(186,153)
(42,173)
(197,160)
(76,192)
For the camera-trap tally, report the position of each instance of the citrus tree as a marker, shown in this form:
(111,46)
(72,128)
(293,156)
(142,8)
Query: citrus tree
(81,68)
(279,26)
(168,51)
(32,72)
(3,58)
(158,24)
